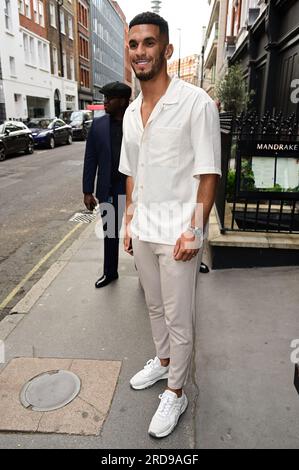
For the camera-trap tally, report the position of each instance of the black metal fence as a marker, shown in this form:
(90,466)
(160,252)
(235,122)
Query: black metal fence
(259,189)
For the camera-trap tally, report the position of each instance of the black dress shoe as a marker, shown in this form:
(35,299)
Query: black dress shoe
(105,280)
(204,268)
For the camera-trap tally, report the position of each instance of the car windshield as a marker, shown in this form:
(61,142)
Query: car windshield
(41,124)
(77,116)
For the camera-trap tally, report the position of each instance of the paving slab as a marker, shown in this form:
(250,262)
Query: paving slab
(85,415)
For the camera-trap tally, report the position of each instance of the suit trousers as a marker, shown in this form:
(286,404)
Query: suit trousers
(169,288)
(112,221)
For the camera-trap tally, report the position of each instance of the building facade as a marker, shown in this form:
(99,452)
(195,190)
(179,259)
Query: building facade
(2,98)
(83,46)
(265,39)
(186,68)
(25,60)
(61,32)
(214,54)
(127,65)
(108,37)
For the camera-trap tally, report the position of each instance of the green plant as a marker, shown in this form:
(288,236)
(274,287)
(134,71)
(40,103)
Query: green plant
(247,175)
(276,188)
(231,90)
(230,185)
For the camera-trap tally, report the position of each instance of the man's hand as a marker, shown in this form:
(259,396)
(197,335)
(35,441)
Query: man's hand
(187,247)
(128,245)
(90,202)
(128,238)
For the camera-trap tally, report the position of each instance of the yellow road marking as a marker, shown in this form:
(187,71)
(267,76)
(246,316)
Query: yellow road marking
(36,267)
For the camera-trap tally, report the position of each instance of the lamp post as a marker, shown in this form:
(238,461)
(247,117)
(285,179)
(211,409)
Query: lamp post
(179,61)
(60,4)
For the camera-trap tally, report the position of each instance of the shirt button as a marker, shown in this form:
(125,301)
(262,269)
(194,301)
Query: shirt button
(141,187)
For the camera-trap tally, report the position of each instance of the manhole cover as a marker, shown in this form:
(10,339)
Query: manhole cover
(50,390)
(85,217)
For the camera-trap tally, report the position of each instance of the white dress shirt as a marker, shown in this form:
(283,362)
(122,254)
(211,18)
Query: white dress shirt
(180,141)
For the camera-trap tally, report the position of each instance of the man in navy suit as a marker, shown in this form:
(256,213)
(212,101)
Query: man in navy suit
(102,157)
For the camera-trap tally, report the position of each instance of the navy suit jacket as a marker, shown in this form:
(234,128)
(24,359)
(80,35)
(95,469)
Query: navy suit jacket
(98,160)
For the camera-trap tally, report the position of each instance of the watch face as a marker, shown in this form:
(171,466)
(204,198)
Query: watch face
(197,231)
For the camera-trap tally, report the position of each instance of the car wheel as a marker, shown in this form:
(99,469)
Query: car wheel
(2,154)
(51,143)
(30,148)
(69,139)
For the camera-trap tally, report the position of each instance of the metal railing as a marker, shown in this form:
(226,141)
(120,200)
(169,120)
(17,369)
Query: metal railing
(259,189)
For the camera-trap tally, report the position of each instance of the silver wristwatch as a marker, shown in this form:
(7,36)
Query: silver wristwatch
(197,231)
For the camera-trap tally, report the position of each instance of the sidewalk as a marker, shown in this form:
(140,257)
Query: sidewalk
(241,394)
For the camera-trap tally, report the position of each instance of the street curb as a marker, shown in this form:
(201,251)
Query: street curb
(19,311)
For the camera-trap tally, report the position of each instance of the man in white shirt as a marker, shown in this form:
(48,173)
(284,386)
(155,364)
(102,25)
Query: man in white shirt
(171,156)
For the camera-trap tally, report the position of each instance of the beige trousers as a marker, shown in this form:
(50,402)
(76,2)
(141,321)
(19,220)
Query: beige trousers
(169,288)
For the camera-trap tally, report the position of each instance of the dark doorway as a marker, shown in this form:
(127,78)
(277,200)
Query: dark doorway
(57,102)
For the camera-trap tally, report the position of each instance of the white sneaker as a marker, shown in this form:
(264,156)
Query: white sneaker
(149,375)
(167,415)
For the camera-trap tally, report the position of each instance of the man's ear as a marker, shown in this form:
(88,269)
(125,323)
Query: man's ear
(168,51)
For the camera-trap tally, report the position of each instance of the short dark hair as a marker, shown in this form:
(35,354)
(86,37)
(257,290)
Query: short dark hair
(149,17)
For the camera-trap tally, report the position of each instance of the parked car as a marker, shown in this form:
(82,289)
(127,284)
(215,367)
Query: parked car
(66,116)
(50,132)
(81,122)
(15,137)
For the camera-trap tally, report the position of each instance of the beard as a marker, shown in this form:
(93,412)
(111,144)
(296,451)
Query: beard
(156,68)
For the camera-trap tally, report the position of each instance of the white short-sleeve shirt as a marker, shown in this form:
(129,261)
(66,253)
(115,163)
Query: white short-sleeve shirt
(180,141)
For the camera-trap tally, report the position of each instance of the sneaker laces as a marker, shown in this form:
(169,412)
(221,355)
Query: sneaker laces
(149,364)
(166,404)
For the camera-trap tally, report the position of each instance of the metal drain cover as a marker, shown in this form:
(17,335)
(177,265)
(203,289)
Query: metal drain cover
(50,390)
(85,217)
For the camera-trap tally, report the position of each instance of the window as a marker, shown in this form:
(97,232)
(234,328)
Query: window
(64,64)
(26,47)
(55,60)
(84,77)
(83,47)
(35,11)
(83,15)
(62,22)
(41,13)
(19,125)
(11,127)
(72,68)
(21,7)
(7,13)
(32,57)
(46,56)
(40,53)
(52,15)
(12,66)
(27,9)
(70,21)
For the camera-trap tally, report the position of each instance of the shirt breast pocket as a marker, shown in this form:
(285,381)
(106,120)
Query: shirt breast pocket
(164,147)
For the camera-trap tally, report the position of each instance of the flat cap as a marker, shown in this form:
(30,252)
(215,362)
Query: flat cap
(117,90)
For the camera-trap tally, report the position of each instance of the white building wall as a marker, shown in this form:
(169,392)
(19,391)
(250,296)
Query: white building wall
(31,75)
(22,80)
(65,87)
